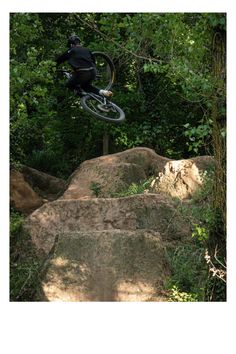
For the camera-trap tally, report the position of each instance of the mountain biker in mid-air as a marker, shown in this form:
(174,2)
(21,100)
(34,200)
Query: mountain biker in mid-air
(83,64)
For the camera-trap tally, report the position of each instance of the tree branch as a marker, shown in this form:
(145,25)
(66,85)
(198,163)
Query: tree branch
(107,38)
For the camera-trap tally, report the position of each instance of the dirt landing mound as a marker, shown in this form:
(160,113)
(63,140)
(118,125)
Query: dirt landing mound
(114,265)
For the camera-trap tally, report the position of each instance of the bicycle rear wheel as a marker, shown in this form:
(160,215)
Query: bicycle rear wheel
(107,111)
(105,70)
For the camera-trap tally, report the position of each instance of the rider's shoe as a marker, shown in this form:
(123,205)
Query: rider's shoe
(106,93)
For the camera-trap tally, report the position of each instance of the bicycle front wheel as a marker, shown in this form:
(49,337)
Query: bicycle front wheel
(108,111)
(105,70)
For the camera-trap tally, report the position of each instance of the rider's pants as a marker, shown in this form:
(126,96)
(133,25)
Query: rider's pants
(84,80)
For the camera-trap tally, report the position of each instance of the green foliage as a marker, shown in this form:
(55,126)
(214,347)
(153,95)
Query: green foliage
(16,220)
(23,279)
(215,289)
(163,82)
(217,20)
(199,212)
(179,296)
(189,268)
(135,188)
(188,271)
(201,233)
(198,136)
(24,263)
(96,188)
(31,81)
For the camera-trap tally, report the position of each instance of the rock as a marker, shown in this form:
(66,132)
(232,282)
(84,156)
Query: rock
(30,188)
(110,265)
(145,211)
(22,196)
(108,175)
(103,179)
(204,163)
(48,186)
(113,249)
(181,178)
(111,174)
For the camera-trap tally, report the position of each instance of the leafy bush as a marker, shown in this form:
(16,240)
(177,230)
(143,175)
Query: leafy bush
(23,279)
(24,263)
(188,270)
(191,273)
(199,136)
(179,296)
(198,212)
(135,188)
(16,220)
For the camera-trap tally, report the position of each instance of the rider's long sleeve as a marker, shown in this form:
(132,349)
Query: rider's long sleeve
(62,58)
(77,57)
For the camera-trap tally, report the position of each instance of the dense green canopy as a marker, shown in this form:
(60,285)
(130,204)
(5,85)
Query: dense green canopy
(164,83)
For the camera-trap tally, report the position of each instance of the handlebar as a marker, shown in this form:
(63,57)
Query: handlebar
(62,70)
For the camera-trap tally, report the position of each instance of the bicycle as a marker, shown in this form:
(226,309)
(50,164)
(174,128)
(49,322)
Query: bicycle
(99,106)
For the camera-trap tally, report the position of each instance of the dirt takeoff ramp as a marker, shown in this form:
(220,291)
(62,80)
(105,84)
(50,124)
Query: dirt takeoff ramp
(109,265)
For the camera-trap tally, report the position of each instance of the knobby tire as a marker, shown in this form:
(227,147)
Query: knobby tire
(85,104)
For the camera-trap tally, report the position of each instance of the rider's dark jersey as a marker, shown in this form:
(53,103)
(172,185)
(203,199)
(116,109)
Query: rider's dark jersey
(78,57)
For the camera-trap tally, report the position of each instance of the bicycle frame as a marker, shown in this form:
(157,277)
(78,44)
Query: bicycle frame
(97,105)
(100,99)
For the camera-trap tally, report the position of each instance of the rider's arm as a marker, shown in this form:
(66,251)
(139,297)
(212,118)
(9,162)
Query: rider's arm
(62,58)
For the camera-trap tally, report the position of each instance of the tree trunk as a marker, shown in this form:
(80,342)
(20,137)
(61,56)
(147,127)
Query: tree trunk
(218,236)
(105,143)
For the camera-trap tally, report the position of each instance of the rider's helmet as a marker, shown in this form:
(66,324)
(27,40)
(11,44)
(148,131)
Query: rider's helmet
(73,40)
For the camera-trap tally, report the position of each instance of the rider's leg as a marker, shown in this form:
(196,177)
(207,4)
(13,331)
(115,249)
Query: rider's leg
(72,81)
(88,87)
(84,79)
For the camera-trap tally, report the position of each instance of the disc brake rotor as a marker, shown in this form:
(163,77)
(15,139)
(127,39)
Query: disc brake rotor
(104,108)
